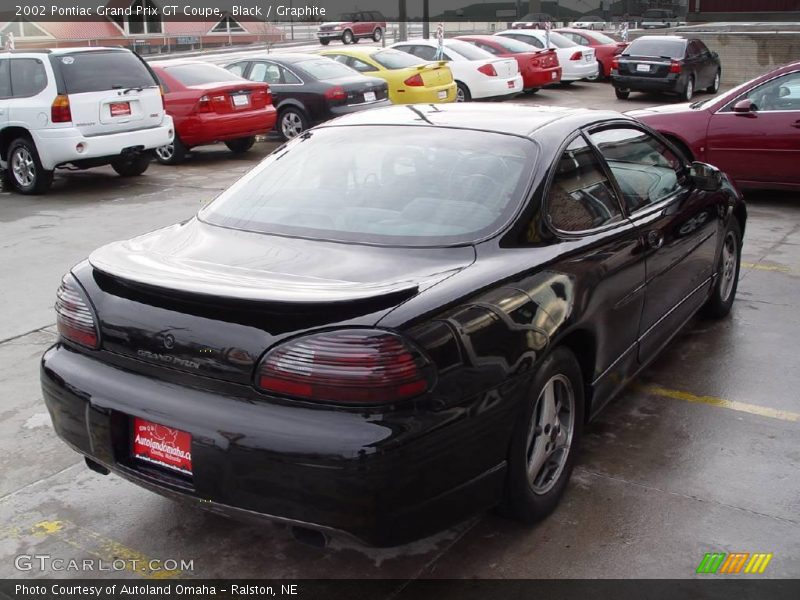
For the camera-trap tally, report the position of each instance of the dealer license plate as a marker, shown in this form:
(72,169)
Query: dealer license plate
(369,97)
(241,100)
(643,68)
(120,109)
(162,446)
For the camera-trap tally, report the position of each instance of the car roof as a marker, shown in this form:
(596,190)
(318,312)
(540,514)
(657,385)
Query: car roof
(673,38)
(60,51)
(514,119)
(530,32)
(476,36)
(289,57)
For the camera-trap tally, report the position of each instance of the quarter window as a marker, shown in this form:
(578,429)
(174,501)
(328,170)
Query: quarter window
(5,79)
(646,170)
(28,77)
(581,197)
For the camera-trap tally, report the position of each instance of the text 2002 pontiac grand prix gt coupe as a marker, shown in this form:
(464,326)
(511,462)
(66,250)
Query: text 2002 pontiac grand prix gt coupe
(397,319)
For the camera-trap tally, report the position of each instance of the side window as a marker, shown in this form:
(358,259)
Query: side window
(424,52)
(646,170)
(237,68)
(360,65)
(5,79)
(288,76)
(701,47)
(28,77)
(692,49)
(529,39)
(781,93)
(581,197)
(487,47)
(266,72)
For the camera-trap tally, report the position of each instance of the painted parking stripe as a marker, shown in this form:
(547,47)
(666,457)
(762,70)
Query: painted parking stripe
(766,267)
(753,409)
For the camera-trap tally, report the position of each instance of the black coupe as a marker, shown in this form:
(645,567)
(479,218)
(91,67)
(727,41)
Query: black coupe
(308,89)
(396,320)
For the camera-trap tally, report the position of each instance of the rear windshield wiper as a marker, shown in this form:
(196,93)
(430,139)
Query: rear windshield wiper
(135,88)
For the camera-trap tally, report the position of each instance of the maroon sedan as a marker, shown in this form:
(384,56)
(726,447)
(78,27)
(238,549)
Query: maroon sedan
(751,132)
(605,47)
(209,104)
(537,67)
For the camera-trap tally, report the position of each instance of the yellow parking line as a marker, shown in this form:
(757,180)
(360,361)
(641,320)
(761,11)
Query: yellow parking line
(101,547)
(763,267)
(753,409)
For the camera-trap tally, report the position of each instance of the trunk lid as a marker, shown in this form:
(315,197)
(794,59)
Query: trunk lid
(128,100)
(234,97)
(505,67)
(435,74)
(643,66)
(359,90)
(210,300)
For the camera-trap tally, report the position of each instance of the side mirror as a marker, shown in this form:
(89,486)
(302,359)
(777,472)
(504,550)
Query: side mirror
(744,107)
(705,177)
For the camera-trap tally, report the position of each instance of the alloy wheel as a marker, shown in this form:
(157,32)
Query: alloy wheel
(166,153)
(730,258)
(460,95)
(689,90)
(291,124)
(550,434)
(23,167)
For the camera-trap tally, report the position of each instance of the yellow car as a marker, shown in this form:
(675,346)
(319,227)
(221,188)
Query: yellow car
(411,80)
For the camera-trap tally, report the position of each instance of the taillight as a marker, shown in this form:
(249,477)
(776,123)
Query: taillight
(534,62)
(488,70)
(336,93)
(578,55)
(163,102)
(59,110)
(74,317)
(615,63)
(675,67)
(204,105)
(347,366)
(414,81)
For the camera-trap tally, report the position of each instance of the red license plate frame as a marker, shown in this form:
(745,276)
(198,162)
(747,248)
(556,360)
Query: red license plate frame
(161,446)
(120,109)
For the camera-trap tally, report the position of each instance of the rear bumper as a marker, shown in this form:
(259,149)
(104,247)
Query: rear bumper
(672,83)
(497,87)
(575,70)
(210,127)
(58,146)
(427,95)
(384,479)
(541,77)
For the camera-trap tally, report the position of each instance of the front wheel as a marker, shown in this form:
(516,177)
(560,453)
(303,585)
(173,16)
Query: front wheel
(25,169)
(714,87)
(545,441)
(377,35)
(622,94)
(722,296)
(131,166)
(241,145)
(462,92)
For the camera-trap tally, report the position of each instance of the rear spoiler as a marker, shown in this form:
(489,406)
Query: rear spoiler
(438,63)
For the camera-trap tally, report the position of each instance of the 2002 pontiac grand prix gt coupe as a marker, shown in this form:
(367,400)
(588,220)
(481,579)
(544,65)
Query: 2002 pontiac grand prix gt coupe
(397,319)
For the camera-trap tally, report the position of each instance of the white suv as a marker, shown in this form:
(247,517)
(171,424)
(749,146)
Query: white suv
(77,108)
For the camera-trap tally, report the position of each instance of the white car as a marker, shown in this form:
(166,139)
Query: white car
(590,22)
(478,74)
(577,61)
(78,108)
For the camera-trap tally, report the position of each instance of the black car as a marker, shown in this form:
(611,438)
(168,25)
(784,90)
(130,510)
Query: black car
(308,89)
(395,320)
(666,63)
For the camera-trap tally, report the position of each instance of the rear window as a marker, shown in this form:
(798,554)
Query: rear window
(394,59)
(511,45)
(560,41)
(200,74)
(391,185)
(101,71)
(652,47)
(603,38)
(325,68)
(467,50)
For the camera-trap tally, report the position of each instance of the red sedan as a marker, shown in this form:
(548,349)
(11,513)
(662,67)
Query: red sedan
(751,132)
(537,67)
(605,47)
(209,104)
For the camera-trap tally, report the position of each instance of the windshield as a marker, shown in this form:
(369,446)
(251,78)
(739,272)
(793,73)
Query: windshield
(395,59)
(325,68)
(391,185)
(560,41)
(652,47)
(200,74)
(101,71)
(467,50)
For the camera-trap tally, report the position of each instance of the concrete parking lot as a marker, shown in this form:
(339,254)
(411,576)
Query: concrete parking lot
(699,455)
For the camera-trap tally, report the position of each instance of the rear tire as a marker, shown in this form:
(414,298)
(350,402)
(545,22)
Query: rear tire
(545,440)
(132,166)
(688,91)
(622,94)
(241,145)
(377,35)
(462,92)
(171,154)
(532,91)
(291,123)
(25,170)
(347,37)
(714,87)
(724,293)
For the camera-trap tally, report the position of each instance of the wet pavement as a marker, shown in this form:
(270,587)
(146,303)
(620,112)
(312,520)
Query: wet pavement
(700,455)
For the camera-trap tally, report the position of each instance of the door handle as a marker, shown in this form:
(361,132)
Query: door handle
(796,124)
(655,239)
